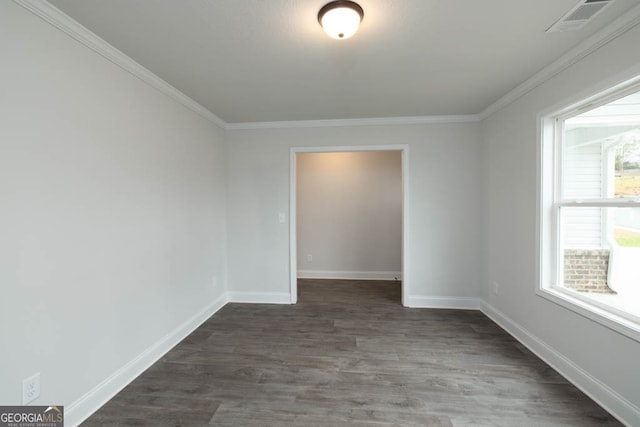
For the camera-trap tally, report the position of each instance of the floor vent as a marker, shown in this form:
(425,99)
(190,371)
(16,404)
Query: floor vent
(577,17)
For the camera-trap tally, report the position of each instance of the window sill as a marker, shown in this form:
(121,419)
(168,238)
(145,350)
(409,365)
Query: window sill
(583,306)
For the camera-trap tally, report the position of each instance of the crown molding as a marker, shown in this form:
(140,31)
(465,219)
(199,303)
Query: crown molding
(68,25)
(75,30)
(376,121)
(78,32)
(618,27)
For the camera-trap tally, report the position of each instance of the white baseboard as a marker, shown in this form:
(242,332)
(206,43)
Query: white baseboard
(461,303)
(260,298)
(353,275)
(617,405)
(86,405)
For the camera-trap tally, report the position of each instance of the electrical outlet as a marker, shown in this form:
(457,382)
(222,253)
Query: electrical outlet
(30,388)
(496,288)
(214,282)
(309,258)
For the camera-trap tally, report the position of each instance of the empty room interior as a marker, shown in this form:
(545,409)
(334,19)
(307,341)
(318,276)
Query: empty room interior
(243,213)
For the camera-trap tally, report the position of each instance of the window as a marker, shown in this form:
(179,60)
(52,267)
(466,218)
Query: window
(590,208)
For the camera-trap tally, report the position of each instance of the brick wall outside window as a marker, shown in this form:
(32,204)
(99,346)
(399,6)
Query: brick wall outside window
(586,270)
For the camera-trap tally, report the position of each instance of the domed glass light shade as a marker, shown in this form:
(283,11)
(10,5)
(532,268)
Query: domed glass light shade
(340,19)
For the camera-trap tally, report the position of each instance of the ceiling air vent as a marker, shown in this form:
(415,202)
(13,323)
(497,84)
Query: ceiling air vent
(581,13)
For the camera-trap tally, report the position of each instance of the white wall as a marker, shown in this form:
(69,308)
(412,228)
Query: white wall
(349,214)
(443,194)
(112,215)
(594,356)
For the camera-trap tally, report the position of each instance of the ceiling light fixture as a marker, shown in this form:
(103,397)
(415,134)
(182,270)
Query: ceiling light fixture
(340,19)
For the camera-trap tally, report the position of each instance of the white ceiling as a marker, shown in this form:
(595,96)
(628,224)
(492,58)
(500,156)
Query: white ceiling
(269,60)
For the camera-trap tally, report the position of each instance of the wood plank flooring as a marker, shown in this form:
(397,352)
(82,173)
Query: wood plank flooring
(349,354)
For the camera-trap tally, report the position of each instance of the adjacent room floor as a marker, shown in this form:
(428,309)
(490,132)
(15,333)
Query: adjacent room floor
(349,354)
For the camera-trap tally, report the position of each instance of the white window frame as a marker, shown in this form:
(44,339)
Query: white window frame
(549,202)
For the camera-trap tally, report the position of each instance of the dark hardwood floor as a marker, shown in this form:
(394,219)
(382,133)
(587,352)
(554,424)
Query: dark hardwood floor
(349,354)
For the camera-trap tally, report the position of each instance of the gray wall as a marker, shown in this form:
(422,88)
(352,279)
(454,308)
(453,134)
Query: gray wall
(444,206)
(349,214)
(593,355)
(112,214)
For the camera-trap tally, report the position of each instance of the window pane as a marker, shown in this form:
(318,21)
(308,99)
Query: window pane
(590,214)
(601,151)
(600,254)
(626,228)
(627,168)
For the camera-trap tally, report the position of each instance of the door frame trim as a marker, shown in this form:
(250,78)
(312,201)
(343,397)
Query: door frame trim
(293,262)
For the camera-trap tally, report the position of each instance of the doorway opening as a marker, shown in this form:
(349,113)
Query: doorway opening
(349,218)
